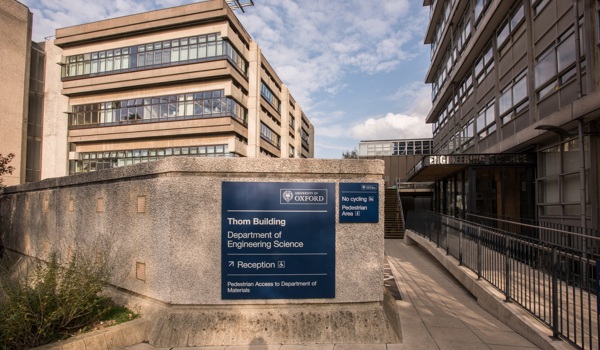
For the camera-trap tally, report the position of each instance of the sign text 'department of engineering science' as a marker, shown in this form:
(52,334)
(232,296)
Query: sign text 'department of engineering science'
(278,240)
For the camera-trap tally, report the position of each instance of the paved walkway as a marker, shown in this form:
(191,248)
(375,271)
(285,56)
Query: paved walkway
(436,312)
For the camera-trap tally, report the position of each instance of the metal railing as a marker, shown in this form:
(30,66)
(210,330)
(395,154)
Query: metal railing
(550,273)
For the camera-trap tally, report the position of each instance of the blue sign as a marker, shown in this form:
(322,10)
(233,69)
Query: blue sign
(359,202)
(278,240)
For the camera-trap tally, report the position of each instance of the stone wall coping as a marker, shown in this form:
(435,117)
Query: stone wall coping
(228,167)
(115,337)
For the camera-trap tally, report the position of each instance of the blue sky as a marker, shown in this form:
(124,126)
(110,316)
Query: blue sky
(356,67)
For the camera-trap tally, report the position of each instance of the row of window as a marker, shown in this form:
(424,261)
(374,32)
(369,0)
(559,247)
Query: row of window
(461,37)
(269,96)
(269,135)
(92,161)
(439,28)
(157,109)
(481,68)
(153,55)
(553,68)
(396,148)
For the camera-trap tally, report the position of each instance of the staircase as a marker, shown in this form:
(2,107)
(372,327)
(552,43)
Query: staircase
(394,218)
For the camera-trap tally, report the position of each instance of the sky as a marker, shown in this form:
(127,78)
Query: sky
(356,67)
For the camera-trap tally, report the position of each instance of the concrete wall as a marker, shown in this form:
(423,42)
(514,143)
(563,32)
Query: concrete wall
(15,41)
(166,215)
(161,223)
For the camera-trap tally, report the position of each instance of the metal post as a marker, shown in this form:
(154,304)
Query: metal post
(460,243)
(437,231)
(507,270)
(479,252)
(554,292)
(447,236)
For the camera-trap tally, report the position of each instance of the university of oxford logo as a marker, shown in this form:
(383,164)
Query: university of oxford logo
(288,196)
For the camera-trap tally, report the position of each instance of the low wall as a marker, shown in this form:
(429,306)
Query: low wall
(163,221)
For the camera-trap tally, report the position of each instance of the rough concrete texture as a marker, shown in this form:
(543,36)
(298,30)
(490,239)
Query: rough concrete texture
(115,337)
(169,250)
(185,326)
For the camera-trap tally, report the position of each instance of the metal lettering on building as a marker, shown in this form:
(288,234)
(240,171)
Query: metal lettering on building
(480,159)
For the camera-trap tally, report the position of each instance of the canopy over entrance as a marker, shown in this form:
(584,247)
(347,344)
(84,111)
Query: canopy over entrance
(434,168)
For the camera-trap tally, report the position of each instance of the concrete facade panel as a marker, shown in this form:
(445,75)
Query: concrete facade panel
(177,235)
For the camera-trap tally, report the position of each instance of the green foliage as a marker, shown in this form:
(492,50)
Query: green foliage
(350,154)
(4,167)
(119,314)
(50,301)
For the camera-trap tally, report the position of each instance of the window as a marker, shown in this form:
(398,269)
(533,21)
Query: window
(463,34)
(509,25)
(440,122)
(153,55)
(486,121)
(513,98)
(538,5)
(558,179)
(555,66)
(93,161)
(268,95)
(292,122)
(466,87)
(485,64)
(269,135)
(292,151)
(305,138)
(479,8)
(467,135)
(156,109)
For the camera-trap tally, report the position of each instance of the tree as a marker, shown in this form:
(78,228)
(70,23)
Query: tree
(4,167)
(350,154)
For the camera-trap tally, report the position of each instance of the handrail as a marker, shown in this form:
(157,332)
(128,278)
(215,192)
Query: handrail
(401,210)
(532,226)
(553,279)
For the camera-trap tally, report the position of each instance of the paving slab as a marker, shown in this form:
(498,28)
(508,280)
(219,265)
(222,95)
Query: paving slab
(437,312)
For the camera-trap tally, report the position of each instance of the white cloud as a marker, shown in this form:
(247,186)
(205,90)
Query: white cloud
(316,47)
(311,44)
(325,40)
(391,126)
(415,97)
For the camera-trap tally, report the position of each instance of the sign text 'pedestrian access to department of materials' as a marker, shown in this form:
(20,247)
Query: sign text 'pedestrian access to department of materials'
(278,240)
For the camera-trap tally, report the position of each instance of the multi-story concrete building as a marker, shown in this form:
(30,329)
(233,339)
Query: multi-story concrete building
(186,81)
(516,101)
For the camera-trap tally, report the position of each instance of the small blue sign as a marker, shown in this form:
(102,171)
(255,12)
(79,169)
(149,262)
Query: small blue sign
(359,202)
(278,240)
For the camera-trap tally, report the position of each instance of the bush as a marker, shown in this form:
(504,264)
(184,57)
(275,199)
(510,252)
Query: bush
(50,301)
(4,167)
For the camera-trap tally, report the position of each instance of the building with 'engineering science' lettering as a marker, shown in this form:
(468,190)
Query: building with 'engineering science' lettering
(182,81)
(516,102)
